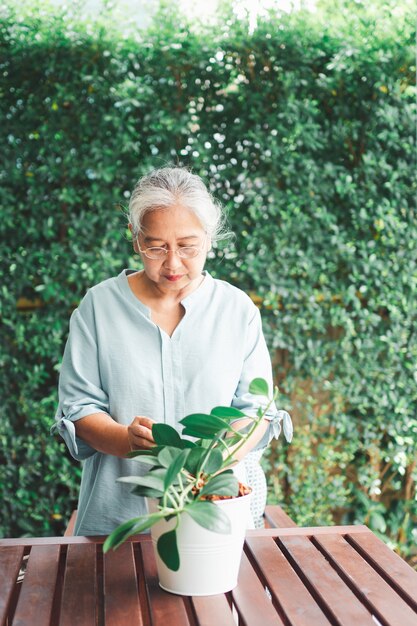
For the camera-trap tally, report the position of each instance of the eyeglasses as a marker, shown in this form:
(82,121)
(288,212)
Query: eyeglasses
(158,253)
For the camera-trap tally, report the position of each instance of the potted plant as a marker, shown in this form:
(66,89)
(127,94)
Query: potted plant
(198,510)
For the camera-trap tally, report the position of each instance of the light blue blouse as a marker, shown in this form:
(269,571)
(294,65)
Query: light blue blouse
(119,362)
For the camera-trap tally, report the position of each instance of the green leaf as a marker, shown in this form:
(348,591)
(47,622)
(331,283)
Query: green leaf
(203,459)
(194,459)
(168,550)
(221,485)
(204,425)
(175,468)
(259,387)
(154,482)
(147,460)
(147,492)
(129,528)
(210,516)
(214,461)
(191,432)
(120,534)
(133,454)
(227,412)
(166,435)
(168,455)
(188,444)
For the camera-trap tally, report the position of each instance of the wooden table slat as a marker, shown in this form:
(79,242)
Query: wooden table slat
(251,599)
(121,597)
(10,564)
(391,566)
(212,610)
(335,598)
(79,595)
(161,602)
(307,531)
(380,598)
(276,517)
(287,590)
(38,586)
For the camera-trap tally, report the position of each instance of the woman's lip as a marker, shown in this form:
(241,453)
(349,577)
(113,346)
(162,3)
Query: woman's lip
(174,277)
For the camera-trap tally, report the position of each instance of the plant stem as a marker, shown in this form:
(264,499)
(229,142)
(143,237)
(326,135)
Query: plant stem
(256,422)
(186,490)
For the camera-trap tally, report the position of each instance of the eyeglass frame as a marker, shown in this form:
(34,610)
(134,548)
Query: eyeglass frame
(177,251)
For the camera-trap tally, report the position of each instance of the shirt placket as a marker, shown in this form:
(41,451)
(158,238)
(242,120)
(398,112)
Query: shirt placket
(172,379)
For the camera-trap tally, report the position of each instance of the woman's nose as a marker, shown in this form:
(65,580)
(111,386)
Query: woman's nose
(172,260)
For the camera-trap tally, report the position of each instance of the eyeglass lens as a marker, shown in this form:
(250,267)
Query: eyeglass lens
(159,253)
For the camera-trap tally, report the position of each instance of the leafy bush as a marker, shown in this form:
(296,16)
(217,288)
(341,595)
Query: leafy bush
(305,129)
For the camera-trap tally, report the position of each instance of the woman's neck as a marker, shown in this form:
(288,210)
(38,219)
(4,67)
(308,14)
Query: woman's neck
(151,293)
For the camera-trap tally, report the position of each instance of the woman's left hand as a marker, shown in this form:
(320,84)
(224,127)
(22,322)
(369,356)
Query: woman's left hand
(139,433)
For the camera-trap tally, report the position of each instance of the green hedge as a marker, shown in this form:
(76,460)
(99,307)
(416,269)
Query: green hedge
(306,133)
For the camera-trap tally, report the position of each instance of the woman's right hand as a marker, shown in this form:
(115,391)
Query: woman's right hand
(139,433)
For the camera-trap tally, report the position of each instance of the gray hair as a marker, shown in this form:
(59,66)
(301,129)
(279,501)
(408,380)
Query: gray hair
(163,188)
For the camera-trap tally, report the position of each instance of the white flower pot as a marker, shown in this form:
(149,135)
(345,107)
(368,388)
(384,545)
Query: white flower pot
(209,561)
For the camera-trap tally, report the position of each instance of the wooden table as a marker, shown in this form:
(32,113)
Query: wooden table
(289,576)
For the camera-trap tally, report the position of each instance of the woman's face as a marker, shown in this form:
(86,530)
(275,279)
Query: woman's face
(172,229)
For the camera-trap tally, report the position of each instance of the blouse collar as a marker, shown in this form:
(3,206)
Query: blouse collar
(188,302)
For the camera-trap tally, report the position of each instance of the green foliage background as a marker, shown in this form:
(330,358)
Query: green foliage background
(305,129)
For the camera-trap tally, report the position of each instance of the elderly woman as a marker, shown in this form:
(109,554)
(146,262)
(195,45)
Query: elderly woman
(155,345)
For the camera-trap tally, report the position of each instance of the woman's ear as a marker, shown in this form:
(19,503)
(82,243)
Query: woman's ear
(134,240)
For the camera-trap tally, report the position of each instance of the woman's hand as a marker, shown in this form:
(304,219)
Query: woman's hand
(139,433)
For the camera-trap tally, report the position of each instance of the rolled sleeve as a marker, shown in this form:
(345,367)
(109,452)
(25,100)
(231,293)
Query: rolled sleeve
(80,390)
(78,448)
(257,364)
(281,421)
